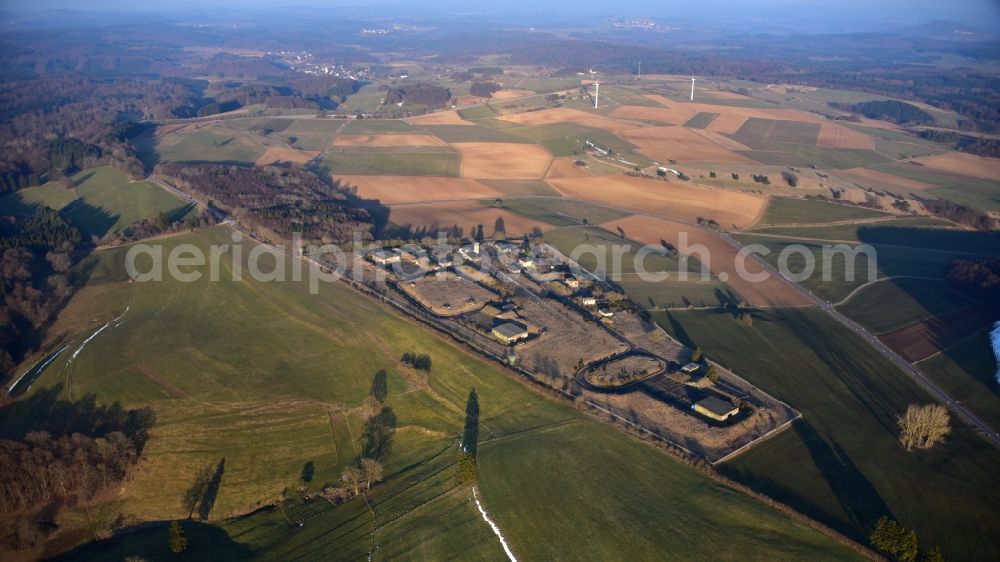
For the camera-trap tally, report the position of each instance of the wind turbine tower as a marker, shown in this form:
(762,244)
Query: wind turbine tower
(692,88)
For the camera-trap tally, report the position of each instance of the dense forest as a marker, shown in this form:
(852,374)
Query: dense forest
(51,127)
(484,89)
(889,110)
(36,253)
(54,452)
(418,94)
(275,201)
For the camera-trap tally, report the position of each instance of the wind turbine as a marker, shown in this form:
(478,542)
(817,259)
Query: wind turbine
(692,88)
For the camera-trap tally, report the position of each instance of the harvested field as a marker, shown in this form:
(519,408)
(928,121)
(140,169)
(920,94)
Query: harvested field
(563,115)
(387,140)
(508,94)
(411,189)
(447,294)
(274,154)
(492,160)
(923,339)
(566,168)
(680,144)
(888,179)
(963,164)
(466,100)
(721,258)
(463,214)
(440,118)
(674,199)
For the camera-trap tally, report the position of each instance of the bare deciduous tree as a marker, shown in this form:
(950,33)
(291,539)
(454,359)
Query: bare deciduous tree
(371,471)
(352,478)
(923,426)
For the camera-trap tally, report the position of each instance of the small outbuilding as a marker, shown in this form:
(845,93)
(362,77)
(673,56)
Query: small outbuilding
(716,408)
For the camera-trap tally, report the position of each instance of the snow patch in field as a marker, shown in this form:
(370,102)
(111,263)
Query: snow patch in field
(86,341)
(496,529)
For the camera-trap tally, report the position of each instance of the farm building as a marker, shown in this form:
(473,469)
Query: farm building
(384,257)
(716,408)
(510,332)
(690,368)
(589,301)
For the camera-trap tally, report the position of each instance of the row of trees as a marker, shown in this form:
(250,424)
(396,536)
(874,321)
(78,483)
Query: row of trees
(421,361)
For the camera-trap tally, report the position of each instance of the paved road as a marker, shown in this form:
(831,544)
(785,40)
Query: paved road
(934,390)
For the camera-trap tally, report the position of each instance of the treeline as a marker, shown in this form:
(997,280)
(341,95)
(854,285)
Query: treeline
(979,278)
(56,126)
(888,110)
(980,146)
(418,94)
(962,214)
(36,253)
(275,201)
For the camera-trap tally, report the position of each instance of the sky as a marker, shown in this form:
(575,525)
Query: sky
(860,14)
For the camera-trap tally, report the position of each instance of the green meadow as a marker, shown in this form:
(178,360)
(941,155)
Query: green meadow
(269,377)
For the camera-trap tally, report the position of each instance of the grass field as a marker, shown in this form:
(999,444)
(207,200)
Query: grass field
(478,112)
(472,133)
(771,134)
(890,261)
(842,462)
(967,372)
(868,231)
(895,303)
(364,163)
(701,120)
(103,201)
(562,212)
(980,193)
(377,126)
(566,139)
(788,210)
(268,377)
(820,156)
(207,144)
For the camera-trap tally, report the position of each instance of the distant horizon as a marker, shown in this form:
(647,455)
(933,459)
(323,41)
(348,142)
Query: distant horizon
(820,16)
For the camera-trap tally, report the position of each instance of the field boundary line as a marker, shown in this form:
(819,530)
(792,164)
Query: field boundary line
(781,428)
